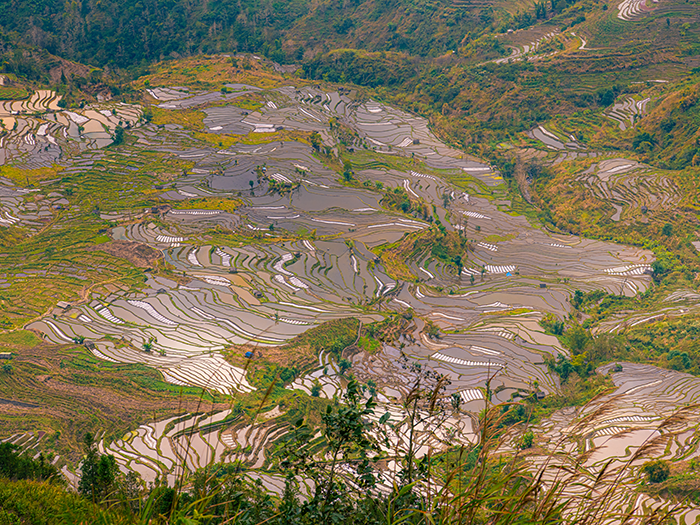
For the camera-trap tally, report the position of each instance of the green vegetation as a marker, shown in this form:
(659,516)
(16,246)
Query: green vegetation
(332,337)
(16,466)
(478,481)
(41,503)
(656,471)
(32,491)
(678,480)
(65,391)
(450,248)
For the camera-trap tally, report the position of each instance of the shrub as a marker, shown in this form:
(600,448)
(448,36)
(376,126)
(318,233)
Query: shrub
(552,325)
(656,471)
(527,440)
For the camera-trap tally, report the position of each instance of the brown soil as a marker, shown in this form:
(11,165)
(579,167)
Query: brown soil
(68,68)
(301,357)
(136,253)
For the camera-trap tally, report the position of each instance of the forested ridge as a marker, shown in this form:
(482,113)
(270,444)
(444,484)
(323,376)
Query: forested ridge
(131,32)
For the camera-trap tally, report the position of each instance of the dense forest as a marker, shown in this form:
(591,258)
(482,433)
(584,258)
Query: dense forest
(128,33)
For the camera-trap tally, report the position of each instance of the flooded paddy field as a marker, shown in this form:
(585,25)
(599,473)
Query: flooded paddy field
(40,130)
(299,245)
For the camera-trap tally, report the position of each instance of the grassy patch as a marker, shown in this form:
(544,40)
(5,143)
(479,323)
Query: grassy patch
(23,338)
(13,93)
(42,503)
(205,72)
(682,484)
(210,203)
(187,118)
(65,391)
(298,354)
(27,177)
(499,238)
(448,247)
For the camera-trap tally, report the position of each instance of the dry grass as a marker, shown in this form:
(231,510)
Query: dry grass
(210,203)
(27,177)
(207,71)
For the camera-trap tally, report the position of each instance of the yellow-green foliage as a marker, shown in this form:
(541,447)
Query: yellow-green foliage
(669,343)
(38,503)
(226,141)
(19,338)
(572,207)
(499,238)
(13,93)
(332,336)
(23,176)
(208,72)
(187,118)
(102,396)
(165,167)
(369,344)
(210,203)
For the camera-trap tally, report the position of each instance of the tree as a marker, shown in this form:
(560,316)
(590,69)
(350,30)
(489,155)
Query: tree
(16,465)
(344,365)
(315,140)
(99,471)
(562,367)
(656,471)
(344,464)
(458,262)
(347,171)
(540,10)
(527,440)
(644,141)
(606,96)
(118,137)
(553,325)
(577,339)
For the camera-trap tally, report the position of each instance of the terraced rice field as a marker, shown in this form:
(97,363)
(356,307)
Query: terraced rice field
(627,110)
(629,10)
(298,252)
(40,130)
(554,141)
(528,51)
(632,188)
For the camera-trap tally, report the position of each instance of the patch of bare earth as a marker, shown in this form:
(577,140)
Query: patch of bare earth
(138,254)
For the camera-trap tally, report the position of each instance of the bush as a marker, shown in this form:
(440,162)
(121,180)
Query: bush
(42,503)
(656,471)
(527,440)
(552,325)
(344,365)
(17,466)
